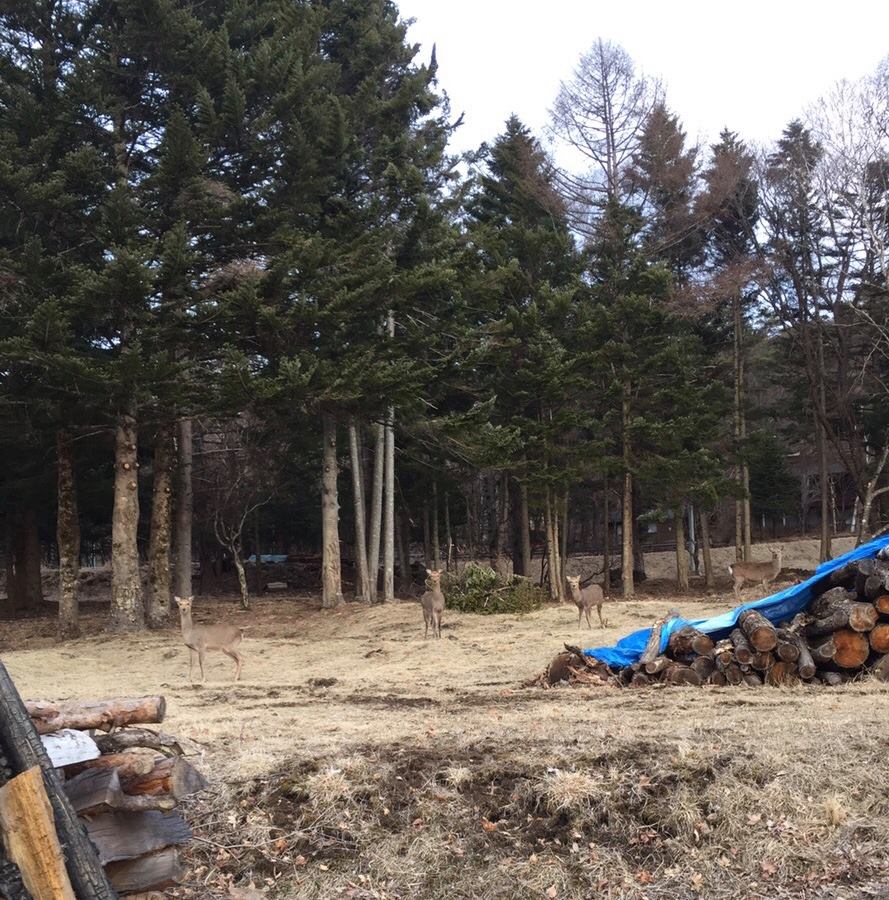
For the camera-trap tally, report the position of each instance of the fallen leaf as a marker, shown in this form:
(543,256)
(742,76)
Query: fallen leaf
(644,877)
(488,826)
(768,868)
(551,891)
(754,818)
(300,861)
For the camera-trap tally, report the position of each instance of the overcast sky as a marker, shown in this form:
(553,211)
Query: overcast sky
(750,66)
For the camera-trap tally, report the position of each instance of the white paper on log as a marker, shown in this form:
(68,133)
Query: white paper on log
(69,746)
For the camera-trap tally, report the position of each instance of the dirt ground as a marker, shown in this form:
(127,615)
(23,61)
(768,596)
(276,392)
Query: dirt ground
(355,759)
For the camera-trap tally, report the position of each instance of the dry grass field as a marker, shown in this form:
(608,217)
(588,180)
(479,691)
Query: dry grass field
(357,760)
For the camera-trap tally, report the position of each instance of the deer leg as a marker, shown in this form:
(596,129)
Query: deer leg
(239,661)
(579,615)
(599,611)
(190,662)
(426,631)
(201,664)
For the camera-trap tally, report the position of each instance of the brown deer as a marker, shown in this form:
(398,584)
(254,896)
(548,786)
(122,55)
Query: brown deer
(763,572)
(586,599)
(433,603)
(200,638)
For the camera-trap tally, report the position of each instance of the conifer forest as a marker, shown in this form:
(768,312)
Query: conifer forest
(268,342)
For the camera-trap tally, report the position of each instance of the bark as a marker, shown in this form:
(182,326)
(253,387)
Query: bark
(552,551)
(235,550)
(563,540)
(805,665)
(331,574)
(427,537)
(362,591)
(743,650)
(853,648)
(404,566)
(389,507)
(709,579)
(184,509)
(628,588)
(161,527)
(821,446)
(147,874)
(781,672)
(871,493)
(525,529)
(882,604)
(449,537)
(758,630)
(127,835)
(68,538)
(653,645)
(823,652)
(127,609)
(103,715)
(606,535)
(170,775)
(680,674)
(376,515)
(689,640)
(259,577)
(436,542)
(681,554)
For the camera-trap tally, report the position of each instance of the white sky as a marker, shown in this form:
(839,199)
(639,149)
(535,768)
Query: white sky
(750,66)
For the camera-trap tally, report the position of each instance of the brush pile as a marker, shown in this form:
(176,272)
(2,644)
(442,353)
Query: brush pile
(841,635)
(123,782)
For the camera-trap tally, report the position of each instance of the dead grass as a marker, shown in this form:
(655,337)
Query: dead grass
(358,760)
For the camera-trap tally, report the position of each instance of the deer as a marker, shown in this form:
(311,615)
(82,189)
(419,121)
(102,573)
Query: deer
(592,595)
(763,572)
(433,603)
(200,638)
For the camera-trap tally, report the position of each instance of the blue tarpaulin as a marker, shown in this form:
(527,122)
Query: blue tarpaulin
(778,608)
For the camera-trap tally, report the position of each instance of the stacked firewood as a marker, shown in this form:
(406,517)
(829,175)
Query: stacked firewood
(123,782)
(842,634)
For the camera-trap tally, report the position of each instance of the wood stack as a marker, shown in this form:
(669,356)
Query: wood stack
(843,632)
(122,781)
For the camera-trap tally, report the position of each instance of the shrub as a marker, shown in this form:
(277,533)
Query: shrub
(479,589)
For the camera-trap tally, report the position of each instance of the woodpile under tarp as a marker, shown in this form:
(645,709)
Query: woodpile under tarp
(842,634)
(100,787)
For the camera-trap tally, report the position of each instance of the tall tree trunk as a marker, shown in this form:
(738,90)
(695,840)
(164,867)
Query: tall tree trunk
(24,588)
(235,550)
(184,509)
(161,526)
(361,571)
(681,554)
(389,511)
(705,549)
(376,515)
(427,537)
(259,576)
(525,530)
(331,574)
(825,550)
(563,540)
(436,543)
(127,609)
(449,537)
(404,568)
(627,516)
(67,537)
(606,535)
(871,493)
(551,547)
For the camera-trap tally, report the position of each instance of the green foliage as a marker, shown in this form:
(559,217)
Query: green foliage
(479,589)
(773,488)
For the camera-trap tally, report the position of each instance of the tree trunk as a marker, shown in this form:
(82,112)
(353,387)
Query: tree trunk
(235,551)
(563,539)
(259,578)
(331,575)
(627,516)
(400,551)
(551,550)
(436,543)
(738,428)
(68,538)
(376,516)
(427,538)
(449,537)
(681,554)
(705,550)
(389,508)
(161,525)
(606,535)
(361,571)
(525,530)
(127,610)
(24,589)
(184,510)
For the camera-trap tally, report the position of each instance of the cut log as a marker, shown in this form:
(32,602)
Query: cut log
(781,672)
(758,630)
(152,872)
(762,660)
(653,647)
(703,665)
(879,638)
(852,649)
(743,650)
(845,576)
(823,651)
(830,600)
(787,649)
(688,640)
(679,674)
(102,715)
(833,678)
(717,678)
(640,679)
(724,654)
(29,835)
(132,738)
(882,604)
(22,743)
(863,616)
(805,665)
(68,746)
(98,790)
(657,665)
(128,765)
(752,679)
(880,669)
(176,777)
(733,673)
(873,586)
(837,620)
(127,835)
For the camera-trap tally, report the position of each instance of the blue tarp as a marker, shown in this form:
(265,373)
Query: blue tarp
(778,608)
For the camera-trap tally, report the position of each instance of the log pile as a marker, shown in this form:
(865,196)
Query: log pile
(843,634)
(121,780)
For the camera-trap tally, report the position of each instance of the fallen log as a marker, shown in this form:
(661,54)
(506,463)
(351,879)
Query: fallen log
(880,669)
(752,679)
(640,679)
(657,665)
(845,576)
(22,746)
(743,650)
(830,600)
(882,604)
(688,640)
(823,651)
(780,672)
(170,775)
(128,765)
(68,746)
(805,665)
(680,674)
(99,790)
(653,646)
(127,835)
(879,638)
(717,678)
(152,872)
(723,654)
(832,678)
(102,715)
(836,620)
(758,630)
(853,649)
(703,665)
(873,586)
(136,738)
(29,835)
(862,616)
(762,660)
(787,649)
